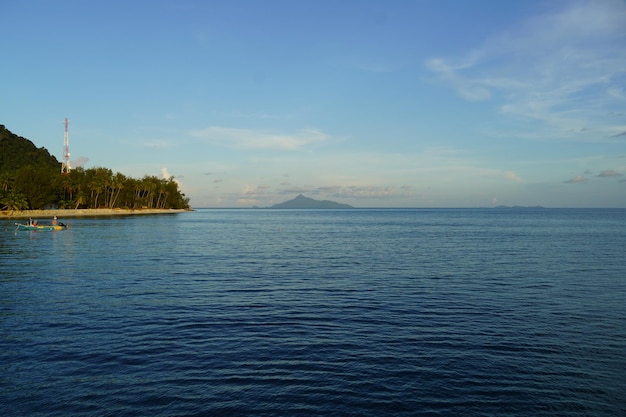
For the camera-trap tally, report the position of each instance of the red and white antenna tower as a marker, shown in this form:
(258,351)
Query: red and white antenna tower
(65,165)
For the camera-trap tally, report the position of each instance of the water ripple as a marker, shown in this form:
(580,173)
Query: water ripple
(365,312)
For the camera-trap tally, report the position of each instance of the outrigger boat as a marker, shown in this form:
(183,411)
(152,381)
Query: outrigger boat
(59,226)
(39,227)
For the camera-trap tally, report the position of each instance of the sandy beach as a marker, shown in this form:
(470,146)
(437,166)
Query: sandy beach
(68,213)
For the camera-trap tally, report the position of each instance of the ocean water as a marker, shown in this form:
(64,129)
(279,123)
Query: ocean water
(477,312)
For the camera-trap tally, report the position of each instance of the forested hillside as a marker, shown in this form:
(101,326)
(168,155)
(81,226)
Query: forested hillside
(30,178)
(16,151)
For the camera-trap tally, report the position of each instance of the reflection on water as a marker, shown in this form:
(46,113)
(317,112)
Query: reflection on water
(364,312)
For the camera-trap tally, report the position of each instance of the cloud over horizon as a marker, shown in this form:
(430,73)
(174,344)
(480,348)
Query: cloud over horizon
(609,173)
(578,179)
(255,139)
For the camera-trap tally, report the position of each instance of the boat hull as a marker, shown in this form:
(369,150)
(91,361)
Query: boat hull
(39,227)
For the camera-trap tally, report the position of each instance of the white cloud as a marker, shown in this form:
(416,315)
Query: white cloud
(157,144)
(253,139)
(467,88)
(559,68)
(609,173)
(369,191)
(166,176)
(578,179)
(511,176)
(616,92)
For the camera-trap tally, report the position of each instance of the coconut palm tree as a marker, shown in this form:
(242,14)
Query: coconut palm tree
(6,180)
(14,201)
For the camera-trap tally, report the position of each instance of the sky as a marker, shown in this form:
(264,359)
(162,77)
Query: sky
(403,103)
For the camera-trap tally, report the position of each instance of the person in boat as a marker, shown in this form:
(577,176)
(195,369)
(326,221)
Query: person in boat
(34,222)
(56,222)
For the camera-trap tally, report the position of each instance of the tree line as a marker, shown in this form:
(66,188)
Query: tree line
(31,178)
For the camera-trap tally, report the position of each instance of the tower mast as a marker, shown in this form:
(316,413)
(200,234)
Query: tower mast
(65,165)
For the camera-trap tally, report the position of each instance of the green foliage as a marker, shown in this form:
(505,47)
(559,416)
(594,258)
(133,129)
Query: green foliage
(16,151)
(36,184)
(13,201)
(30,178)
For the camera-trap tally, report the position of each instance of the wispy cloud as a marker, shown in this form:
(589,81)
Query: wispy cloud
(157,144)
(559,68)
(616,92)
(467,88)
(609,173)
(375,191)
(578,179)
(290,189)
(238,114)
(251,194)
(351,191)
(509,176)
(254,139)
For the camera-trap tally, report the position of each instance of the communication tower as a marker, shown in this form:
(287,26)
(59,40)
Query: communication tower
(65,165)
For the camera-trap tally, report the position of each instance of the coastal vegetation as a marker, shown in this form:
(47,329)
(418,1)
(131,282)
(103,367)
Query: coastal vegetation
(31,179)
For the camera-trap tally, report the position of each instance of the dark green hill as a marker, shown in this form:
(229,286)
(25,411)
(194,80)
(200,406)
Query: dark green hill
(302,202)
(17,152)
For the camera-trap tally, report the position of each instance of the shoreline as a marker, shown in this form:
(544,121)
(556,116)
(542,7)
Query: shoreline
(68,213)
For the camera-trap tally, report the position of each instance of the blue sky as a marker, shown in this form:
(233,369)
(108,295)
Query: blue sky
(423,103)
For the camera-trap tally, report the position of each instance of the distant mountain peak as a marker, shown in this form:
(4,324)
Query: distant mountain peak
(302,202)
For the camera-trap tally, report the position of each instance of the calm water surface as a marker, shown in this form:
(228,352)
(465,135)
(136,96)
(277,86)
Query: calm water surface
(358,312)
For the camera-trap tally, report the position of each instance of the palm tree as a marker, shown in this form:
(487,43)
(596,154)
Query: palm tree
(80,198)
(14,201)
(68,189)
(117,183)
(5,181)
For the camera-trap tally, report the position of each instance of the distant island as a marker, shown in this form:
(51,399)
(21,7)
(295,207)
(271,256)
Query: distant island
(302,202)
(519,207)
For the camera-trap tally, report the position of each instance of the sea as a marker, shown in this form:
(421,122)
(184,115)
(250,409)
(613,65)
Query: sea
(364,312)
